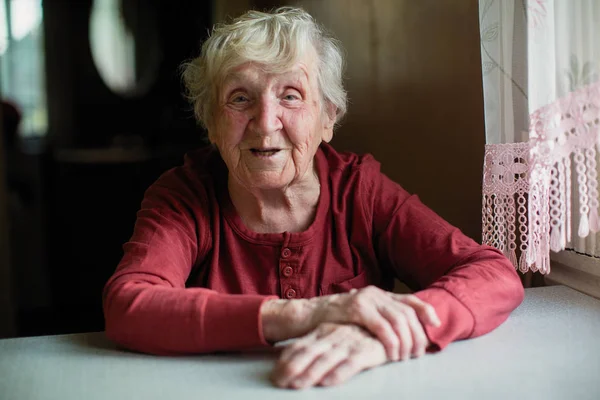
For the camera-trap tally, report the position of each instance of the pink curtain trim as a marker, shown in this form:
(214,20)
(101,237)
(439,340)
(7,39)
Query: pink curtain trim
(527,187)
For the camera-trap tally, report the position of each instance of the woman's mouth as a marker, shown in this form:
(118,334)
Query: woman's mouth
(264,152)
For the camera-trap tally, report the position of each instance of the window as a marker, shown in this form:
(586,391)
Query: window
(22,78)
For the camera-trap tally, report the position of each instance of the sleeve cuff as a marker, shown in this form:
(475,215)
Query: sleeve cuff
(457,322)
(234,322)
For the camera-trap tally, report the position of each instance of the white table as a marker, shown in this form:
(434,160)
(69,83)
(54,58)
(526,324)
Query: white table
(548,349)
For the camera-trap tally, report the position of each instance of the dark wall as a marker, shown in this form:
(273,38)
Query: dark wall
(7,321)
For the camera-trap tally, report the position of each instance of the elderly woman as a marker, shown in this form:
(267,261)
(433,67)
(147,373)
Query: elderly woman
(271,234)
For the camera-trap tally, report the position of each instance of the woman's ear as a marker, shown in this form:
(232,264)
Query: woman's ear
(331,111)
(329,121)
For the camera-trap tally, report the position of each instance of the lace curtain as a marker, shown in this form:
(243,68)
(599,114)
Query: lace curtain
(542,114)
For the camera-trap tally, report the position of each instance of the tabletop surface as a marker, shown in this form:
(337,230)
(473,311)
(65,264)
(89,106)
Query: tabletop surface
(547,349)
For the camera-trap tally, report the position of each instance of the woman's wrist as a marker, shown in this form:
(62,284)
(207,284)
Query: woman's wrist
(286,319)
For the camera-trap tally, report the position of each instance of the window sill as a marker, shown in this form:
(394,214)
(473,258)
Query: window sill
(577,271)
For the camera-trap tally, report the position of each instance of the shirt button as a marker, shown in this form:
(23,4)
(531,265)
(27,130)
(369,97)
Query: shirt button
(288,271)
(286,253)
(290,293)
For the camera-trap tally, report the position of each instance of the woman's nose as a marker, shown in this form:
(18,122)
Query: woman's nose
(267,117)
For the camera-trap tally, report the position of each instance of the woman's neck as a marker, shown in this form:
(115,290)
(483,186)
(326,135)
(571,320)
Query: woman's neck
(290,209)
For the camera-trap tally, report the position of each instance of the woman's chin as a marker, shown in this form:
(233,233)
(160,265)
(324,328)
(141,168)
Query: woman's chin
(268,180)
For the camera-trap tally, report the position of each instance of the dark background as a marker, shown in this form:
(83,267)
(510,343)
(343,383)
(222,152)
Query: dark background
(74,192)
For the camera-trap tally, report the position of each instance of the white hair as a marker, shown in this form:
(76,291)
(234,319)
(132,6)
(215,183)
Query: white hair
(275,40)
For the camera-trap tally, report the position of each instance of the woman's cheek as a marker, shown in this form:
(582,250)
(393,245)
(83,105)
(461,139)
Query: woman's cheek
(233,124)
(300,127)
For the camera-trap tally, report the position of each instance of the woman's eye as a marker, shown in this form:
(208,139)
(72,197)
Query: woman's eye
(239,99)
(291,96)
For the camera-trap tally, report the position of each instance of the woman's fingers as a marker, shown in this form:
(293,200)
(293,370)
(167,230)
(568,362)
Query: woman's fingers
(420,341)
(332,350)
(368,354)
(398,320)
(379,326)
(296,357)
(342,373)
(322,365)
(365,310)
(425,311)
(405,318)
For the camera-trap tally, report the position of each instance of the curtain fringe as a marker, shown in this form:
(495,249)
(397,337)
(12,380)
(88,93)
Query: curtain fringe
(527,186)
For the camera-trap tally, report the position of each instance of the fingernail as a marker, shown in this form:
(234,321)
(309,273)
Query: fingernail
(326,382)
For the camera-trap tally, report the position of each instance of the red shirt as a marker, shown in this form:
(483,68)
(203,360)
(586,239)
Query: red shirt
(193,277)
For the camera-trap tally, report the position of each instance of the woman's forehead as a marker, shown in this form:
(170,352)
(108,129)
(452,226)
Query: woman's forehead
(301,71)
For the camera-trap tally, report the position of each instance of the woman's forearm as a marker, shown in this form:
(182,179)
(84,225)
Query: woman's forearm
(144,315)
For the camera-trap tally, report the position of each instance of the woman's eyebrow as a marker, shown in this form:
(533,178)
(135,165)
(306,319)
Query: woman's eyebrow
(297,76)
(233,78)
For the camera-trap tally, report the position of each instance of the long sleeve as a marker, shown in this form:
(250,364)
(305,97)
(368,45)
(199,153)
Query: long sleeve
(472,287)
(146,305)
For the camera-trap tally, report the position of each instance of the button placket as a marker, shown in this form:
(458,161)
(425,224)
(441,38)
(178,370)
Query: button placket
(286,273)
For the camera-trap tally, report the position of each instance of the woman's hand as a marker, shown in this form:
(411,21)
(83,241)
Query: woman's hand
(329,355)
(396,320)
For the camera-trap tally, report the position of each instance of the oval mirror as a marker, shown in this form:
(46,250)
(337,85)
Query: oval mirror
(124,43)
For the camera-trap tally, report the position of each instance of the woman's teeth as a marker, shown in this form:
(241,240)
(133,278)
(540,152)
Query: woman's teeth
(266,153)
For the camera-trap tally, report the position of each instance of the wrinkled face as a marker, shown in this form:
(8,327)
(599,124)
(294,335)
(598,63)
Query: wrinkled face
(268,126)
